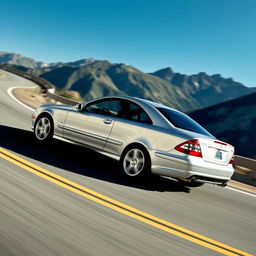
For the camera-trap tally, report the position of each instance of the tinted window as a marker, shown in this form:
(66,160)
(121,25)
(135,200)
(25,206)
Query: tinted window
(133,112)
(182,121)
(106,107)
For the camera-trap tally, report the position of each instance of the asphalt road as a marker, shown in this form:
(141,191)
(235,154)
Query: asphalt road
(38,217)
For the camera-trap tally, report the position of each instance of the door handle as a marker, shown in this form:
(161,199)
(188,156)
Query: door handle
(107,121)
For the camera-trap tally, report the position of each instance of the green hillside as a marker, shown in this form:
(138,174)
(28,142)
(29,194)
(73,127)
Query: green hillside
(101,78)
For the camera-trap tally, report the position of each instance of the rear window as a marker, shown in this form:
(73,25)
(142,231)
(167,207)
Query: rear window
(183,121)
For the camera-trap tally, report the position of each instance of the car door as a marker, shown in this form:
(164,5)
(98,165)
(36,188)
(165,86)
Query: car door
(92,125)
(132,124)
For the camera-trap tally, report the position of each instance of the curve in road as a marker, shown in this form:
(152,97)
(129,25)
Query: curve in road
(38,218)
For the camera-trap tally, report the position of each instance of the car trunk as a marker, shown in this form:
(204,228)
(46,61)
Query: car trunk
(216,151)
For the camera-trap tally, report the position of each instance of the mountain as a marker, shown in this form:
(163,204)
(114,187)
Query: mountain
(78,63)
(232,121)
(19,60)
(205,89)
(101,78)
(94,78)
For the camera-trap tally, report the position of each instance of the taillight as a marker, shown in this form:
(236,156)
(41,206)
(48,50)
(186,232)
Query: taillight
(190,147)
(232,159)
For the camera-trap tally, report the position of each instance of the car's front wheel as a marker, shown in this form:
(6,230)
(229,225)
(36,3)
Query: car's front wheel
(43,129)
(135,162)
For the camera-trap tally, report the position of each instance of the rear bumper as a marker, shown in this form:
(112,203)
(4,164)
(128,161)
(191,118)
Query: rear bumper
(187,167)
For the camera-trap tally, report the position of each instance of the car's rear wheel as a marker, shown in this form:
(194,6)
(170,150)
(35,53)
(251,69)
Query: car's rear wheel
(43,129)
(135,162)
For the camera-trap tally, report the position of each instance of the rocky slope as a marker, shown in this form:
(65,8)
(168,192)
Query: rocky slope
(207,90)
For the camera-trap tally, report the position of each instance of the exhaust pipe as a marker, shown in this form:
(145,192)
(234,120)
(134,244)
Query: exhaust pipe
(196,179)
(190,179)
(224,184)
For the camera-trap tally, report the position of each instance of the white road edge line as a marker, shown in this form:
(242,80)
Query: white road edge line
(9,91)
(241,191)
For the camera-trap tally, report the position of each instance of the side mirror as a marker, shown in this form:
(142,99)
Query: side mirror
(80,106)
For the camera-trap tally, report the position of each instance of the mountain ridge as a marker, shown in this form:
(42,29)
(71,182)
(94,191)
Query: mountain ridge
(95,78)
(206,89)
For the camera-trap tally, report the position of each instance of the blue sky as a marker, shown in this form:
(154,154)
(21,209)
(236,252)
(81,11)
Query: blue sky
(190,36)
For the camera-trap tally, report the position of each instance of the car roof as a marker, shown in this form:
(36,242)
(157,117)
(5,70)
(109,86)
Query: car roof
(137,100)
(155,104)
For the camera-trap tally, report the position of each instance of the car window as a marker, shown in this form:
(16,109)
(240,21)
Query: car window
(133,112)
(105,107)
(182,121)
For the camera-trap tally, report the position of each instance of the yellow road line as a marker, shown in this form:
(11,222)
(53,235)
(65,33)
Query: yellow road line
(122,208)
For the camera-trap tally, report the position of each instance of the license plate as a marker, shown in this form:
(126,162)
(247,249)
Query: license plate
(219,155)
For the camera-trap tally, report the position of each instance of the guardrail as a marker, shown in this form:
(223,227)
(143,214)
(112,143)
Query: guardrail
(47,87)
(61,99)
(248,163)
(49,90)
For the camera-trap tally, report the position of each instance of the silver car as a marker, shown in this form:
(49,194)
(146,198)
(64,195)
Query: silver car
(144,136)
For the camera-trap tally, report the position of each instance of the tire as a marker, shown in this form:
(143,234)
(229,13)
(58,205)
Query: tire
(43,129)
(135,163)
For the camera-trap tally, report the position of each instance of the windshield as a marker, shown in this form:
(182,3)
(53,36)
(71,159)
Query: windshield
(183,121)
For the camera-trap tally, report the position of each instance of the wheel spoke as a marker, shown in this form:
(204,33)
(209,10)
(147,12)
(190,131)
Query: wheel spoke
(44,121)
(136,169)
(47,129)
(140,165)
(128,158)
(47,125)
(40,134)
(135,153)
(39,124)
(129,167)
(140,160)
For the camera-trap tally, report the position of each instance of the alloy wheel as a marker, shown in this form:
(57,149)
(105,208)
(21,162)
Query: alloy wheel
(43,128)
(133,162)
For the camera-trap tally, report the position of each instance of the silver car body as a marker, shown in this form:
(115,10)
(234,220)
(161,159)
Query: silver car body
(111,135)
